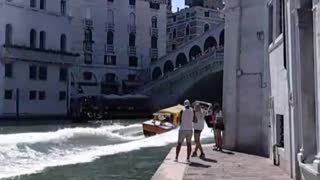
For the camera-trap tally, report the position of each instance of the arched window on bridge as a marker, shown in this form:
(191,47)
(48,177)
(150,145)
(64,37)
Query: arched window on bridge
(168,67)
(195,51)
(187,30)
(156,73)
(206,27)
(181,60)
(221,38)
(209,43)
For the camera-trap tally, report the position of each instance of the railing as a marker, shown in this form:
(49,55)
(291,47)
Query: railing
(154,32)
(109,27)
(153,53)
(109,48)
(88,22)
(132,28)
(132,51)
(214,57)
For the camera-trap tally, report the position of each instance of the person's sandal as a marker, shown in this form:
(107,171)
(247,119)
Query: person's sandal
(202,156)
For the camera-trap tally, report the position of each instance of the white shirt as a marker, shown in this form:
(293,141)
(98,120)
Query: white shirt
(199,125)
(187,119)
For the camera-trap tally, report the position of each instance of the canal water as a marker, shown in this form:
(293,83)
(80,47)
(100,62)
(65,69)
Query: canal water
(95,151)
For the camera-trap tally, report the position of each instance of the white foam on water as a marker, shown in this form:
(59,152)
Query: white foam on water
(65,134)
(17,161)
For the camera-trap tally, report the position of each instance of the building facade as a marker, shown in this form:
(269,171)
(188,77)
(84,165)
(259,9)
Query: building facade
(286,113)
(214,4)
(117,41)
(35,57)
(189,23)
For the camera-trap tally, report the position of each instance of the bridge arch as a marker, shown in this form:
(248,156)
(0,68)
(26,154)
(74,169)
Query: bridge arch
(221,38)
(168,67)
(209,43)
(194,52)
(156,73)
(181,60)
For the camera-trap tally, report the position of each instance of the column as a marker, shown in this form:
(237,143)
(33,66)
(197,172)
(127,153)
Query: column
(305,87)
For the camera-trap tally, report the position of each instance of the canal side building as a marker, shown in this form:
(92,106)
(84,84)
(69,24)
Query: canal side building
(189,23)
(117,41)
(271,93)
(35,57)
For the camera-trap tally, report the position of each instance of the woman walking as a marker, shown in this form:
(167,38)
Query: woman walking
(198,127)
(218,126)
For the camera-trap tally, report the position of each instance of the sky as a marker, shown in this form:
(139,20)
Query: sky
(177,4)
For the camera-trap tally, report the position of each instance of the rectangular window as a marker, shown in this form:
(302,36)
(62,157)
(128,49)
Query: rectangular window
(131,77)
(132,2)
(42,95)
(63,74)
(8,70)
(42,4)
(280,130)
(154,5)
(8,94)
(133,61)
(42,73)
(33,72)
(207,14)
(63,7)
(62,95)
(279,17)
(87,76)
(32,95)
(87,58)
(270,23)
(110,60)
(110,0)
(33,3)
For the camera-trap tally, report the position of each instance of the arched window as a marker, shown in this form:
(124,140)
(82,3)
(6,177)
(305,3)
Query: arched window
(187,30)
(154,42)
(174,34)
(33,38)
(132,40)
(206,27)
(110,37)
(33,3)
(132,19)
(110,17)
(154,22)
(221,38)
(42,40)
(63,7)
(63,43)
(88,35)
(8,34)
(42,4)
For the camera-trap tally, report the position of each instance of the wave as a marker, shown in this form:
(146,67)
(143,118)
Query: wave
(23,160)
(66,134)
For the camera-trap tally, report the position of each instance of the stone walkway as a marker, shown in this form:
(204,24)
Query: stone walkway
(219,166)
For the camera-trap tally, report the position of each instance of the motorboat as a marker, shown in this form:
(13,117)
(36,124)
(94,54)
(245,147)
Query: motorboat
(163,121)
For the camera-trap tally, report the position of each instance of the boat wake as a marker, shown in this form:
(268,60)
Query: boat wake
(29,153)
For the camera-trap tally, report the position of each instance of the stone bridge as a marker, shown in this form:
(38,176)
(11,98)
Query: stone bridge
(194,49)
(200,79)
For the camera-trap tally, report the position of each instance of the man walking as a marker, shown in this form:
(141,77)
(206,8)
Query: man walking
(185,131)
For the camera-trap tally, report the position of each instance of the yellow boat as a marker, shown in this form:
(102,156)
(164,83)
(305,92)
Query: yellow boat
(163,121)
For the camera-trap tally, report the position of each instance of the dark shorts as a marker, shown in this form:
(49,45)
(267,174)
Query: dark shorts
(219,126)
(197,131)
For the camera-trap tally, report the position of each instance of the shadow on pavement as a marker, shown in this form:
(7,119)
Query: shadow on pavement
(195,164)
(224,152)
(209,160)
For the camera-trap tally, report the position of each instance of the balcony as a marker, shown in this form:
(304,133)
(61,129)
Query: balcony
(132,51)
(87,46)
(154,32)
(109,49)
(88,23)
(24,53)
(109,27)
(132,28)
(153,53)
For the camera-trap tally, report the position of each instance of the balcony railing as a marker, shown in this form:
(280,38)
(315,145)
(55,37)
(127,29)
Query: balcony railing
(88,23)
(132,51)
(132,28)
(154,32)
(109,48)
(153,53)
(87,46)
(109,27)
